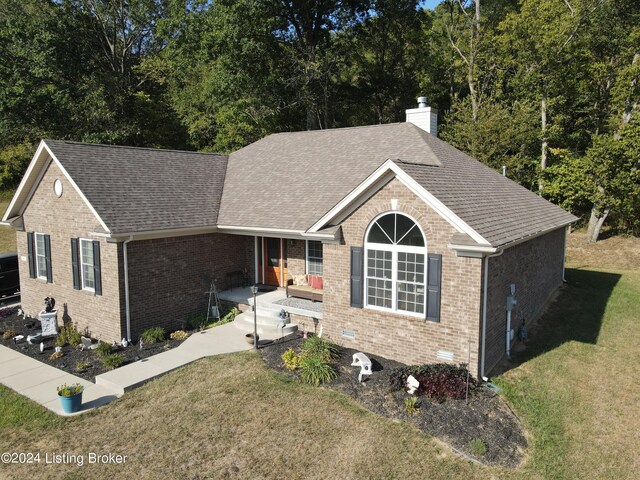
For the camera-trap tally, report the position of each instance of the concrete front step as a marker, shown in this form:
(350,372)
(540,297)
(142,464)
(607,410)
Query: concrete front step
(267,325)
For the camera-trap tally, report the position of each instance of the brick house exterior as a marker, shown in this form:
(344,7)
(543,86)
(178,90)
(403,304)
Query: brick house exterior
(163,223)
(405,338)
(168,276)
(65,218)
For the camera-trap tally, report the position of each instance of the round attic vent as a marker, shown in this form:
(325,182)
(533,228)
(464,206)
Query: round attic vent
(57,187)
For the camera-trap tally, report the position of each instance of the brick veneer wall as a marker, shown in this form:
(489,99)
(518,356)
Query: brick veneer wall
(401,337)
(63,218)
(535,267)
(166,284)
(296,257)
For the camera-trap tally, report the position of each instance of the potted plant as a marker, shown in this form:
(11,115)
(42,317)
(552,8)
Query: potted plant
(70,397)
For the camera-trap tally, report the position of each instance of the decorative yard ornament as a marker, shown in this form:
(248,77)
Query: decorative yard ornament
(41,347)
(140,344)
(125,344)
(49,304)
(412,384)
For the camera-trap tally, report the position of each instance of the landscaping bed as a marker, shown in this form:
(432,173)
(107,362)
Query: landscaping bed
(72,354)
(483,428)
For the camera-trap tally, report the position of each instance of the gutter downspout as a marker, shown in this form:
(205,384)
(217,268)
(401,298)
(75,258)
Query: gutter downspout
(564,254)
(484,309)
(126,286)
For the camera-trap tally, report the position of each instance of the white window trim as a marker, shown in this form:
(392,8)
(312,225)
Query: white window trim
(81,266)
(306,256)
(394,249)
(37,253)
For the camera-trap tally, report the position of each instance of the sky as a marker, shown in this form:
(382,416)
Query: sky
(430,3)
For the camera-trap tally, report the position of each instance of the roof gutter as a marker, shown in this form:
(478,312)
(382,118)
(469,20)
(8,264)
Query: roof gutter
(151,234)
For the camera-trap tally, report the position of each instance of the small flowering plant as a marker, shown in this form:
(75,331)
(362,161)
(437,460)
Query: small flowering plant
(70,390)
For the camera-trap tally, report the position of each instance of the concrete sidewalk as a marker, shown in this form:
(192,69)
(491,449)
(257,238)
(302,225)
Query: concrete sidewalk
(214,341)
(38,381)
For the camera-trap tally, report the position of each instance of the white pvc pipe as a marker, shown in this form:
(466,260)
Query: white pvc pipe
(126,286)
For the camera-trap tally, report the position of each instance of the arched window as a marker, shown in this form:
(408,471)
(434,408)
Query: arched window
(395,253)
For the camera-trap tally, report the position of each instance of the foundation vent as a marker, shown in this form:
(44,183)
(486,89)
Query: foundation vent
(350,334)
(444,356)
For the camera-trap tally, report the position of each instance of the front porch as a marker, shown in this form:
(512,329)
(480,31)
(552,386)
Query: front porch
(276,314)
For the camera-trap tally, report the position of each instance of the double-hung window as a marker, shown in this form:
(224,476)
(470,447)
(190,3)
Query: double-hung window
(87,265)
(40,255)
(314,257)
(39,252)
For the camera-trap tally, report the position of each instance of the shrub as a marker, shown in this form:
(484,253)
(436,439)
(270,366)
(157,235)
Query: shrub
(411,405)
(80,366)
(477,447)
(8,334)
(179,335)
(104,349)
(228,317)
(197,322)
(8,311)
(314,370)
(153,335)
(69,390)
(68,334)
(56,355)
(291,360)
(439,380)
(113,361)
(320,348)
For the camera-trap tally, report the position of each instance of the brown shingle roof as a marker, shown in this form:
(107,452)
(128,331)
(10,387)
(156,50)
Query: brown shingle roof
(500,210)
(289,180)
(140,189)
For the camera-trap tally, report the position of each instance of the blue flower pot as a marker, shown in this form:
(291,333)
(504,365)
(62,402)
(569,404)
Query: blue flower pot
(71,404)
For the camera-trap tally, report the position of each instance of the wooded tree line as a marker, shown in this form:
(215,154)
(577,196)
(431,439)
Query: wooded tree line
(547,88)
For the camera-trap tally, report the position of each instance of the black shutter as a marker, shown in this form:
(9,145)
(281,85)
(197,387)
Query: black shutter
(357,265)
(434,280)
(96,268)
(32,255)
(47,256)
(75,263)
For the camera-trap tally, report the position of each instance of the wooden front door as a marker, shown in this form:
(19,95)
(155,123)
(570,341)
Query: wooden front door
(273,261)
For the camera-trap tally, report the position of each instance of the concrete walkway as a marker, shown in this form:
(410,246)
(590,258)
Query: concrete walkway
(38,381)
(214,341)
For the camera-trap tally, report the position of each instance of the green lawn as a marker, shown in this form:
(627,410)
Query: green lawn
(576,391)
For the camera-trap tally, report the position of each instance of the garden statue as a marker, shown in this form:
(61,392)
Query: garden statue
(49,304)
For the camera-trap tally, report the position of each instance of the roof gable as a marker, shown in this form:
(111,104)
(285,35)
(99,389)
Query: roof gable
(31,180)
(135,189)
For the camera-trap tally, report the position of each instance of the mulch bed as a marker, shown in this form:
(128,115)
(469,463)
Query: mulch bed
(73,355)
(485,416)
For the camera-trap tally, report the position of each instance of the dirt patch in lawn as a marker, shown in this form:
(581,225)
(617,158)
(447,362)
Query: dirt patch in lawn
(609,252)
(485,421)
(72,355)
